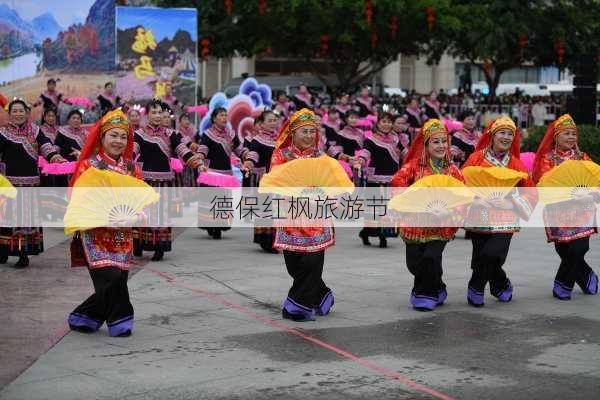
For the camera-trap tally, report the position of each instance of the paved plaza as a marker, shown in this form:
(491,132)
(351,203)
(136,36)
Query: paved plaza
(208,326)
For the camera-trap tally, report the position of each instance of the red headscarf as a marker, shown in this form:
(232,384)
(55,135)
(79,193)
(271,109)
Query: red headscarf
(502,123)
(417,149)
(298,119)
(563,123)
(3,101)
(93,142)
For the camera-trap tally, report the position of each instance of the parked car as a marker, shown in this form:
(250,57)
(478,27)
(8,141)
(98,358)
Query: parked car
(395,92)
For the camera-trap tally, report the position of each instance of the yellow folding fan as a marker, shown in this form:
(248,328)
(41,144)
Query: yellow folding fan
(492,182)
(434,192)
(6,188)
(311,177)
(103,198)
(563,182)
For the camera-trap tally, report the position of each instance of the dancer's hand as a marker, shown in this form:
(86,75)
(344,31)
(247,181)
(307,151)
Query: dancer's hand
(503,204)
(440,212)
(127,222)
(247,166)
(583,196)
(481,202)
(195,161)
(57,159)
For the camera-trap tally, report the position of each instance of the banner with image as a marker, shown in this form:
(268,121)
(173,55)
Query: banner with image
(157,54)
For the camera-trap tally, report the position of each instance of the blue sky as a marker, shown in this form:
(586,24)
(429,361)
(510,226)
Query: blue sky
(66,12)
(163,22)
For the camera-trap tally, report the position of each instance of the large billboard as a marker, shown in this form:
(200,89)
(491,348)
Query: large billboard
(76,42)
(73,41)
(156,52)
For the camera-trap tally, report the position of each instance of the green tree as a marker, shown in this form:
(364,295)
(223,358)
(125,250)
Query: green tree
(496,36)
(356,49)
(493,35)
(575,24)
(489,34)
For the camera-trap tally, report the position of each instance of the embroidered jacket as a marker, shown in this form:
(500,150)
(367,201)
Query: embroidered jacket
(154,147)
(20,148)
(493,220)
(50,131)
(109,247)
(406,176)
(300,239)
(218,145)
(383,157)
(565,224)
(69,139)
(347,141)
(463,145)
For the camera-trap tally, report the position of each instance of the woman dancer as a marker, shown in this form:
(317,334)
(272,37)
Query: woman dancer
(382,157)
(21,143)
(154,146)
(107,251)
(568,225)
(428,155)
(217,145)
(303,248)
(465,139)
(492,223)
(261,148)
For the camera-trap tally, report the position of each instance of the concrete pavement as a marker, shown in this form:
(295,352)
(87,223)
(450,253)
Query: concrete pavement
(208,326)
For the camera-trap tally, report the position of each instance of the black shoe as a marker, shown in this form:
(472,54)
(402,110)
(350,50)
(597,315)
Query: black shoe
(269,249)
(217,234)
(506,301)
(22,263)
(365,237)
(158,255)
(560,298)
(423,309)
(82,329)
(474,304)
(3,259)
(382,242)
(295,317)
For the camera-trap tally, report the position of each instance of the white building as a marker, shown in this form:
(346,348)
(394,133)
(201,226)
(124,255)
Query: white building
(406,72)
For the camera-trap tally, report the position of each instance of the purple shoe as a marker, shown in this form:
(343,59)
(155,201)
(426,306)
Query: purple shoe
(475,298)
(423,303)
(561,292)
(442,295)
(297,312)
(83,323)
(505,295)
(592,284)
(325,307)
(121,328)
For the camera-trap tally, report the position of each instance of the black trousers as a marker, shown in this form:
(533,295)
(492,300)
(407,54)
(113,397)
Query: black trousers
(306,269)
(489,254)
(424,261)
(109,303)
(264,237)
(573,267)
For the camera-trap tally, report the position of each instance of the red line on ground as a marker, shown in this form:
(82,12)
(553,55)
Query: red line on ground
(382,370)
